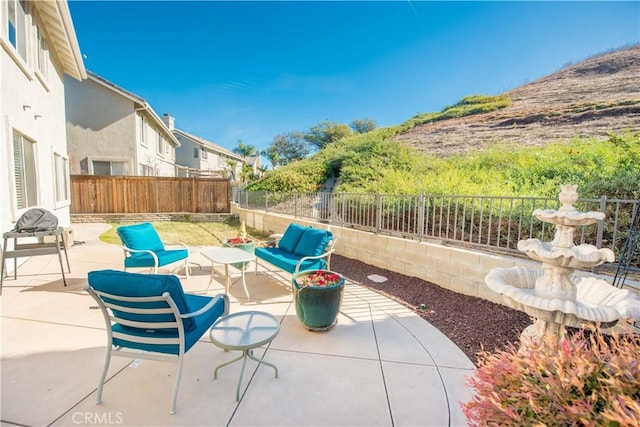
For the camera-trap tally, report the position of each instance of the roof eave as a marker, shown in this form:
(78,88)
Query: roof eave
(160,123)
(56,18)
(208,144)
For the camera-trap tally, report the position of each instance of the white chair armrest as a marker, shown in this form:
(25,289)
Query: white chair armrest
(155,257)
(303,259)
(184,246)
(208,307)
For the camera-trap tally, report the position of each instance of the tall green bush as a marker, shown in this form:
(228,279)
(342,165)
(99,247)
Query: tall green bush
(302,176)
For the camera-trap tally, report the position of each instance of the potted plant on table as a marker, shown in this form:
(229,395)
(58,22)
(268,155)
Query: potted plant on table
(242,241)
(318,296)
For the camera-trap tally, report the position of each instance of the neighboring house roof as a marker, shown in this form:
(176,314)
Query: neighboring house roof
(208,144)
(136,100)
(59,27)
(253,160)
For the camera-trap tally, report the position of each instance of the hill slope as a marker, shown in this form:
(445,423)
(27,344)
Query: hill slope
(589,99)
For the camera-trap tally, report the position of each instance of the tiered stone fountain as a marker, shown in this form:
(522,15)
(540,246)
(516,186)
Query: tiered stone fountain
(555,296)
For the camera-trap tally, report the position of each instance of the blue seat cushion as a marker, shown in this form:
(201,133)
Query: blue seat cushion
(140,236)
(202,325)
(287,260)
(126,284)
(313,242)
(165,257)
(291,237)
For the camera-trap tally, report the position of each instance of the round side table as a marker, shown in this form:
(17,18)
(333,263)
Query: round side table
(244,331)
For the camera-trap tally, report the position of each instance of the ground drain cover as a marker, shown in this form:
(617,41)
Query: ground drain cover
(377,278)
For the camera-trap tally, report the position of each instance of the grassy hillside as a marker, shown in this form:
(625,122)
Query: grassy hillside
(361,160)
(580,125)
(467,106)
(593,98)
(374,163)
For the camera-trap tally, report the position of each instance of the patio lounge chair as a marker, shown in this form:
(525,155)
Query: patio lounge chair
(299,249)
(149,316)
(143,248)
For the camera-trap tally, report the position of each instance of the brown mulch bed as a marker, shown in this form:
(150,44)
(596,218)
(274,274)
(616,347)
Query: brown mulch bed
(471,323)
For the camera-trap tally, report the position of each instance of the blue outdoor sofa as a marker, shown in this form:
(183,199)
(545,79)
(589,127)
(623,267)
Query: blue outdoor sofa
(300,248)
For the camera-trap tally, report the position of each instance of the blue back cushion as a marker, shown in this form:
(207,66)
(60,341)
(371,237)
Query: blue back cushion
(140,236)
(291,237)
(121,283)
(313,242)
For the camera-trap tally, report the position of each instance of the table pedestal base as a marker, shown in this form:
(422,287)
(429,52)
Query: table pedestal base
(227,281)
(245,353)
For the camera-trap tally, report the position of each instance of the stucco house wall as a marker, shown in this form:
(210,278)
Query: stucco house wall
(118,129)
(184,156)
(100,125)
(32,106)
(198,153)
(152,158)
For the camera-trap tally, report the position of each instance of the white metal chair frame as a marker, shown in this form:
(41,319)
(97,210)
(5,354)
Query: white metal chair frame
(155,257)
(113,350)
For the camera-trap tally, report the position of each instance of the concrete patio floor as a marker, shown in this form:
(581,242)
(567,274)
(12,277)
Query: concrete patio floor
(381,365)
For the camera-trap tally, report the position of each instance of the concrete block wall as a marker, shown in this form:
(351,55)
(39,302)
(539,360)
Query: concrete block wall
(457,269)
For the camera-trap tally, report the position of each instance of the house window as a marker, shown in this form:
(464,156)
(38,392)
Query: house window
(16,26)
(161,142)
(205,155)
(142,129)
(24,171)
(12,23)
(42,58)
(61,171)
(146,170)
(195,152)
(108,168)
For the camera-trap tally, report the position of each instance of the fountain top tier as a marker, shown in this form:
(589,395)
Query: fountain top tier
(566,219)
(568,215)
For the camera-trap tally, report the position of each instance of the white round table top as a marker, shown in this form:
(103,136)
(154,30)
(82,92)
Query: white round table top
(244,330)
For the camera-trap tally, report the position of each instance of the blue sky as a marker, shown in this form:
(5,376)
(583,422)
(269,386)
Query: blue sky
(230,71)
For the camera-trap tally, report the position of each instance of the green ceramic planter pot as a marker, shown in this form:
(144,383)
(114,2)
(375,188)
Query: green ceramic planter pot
(317,307)
(247,247)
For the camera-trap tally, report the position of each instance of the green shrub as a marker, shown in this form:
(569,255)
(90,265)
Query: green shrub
(303,176)
(467,106)
(587,380)
(374,163)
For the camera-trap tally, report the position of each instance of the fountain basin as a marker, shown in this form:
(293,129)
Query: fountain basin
(571,218)
(580,257)
(596,300)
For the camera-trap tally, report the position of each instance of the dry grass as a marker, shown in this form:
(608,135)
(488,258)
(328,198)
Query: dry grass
(596,97)
(190,233)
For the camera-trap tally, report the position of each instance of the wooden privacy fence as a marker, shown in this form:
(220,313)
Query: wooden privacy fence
(148,194)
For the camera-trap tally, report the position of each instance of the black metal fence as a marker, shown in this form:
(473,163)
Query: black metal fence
(485,222)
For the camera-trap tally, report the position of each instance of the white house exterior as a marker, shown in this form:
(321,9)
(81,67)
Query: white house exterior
(255,163)
(39,47)
(197,156)
(111,131)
